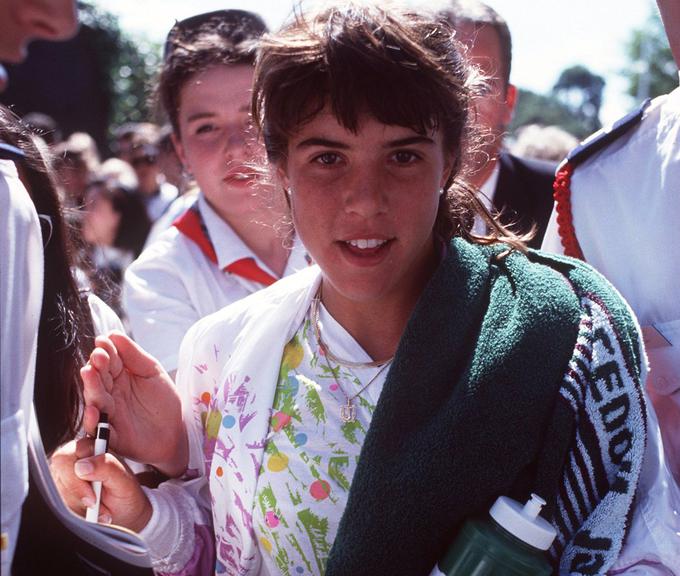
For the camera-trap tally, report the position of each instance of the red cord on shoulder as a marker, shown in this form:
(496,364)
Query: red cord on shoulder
(565,222)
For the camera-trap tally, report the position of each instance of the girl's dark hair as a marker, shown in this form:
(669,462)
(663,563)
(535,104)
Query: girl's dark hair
(134,223)
(200,42)
(401,68)
(65,336)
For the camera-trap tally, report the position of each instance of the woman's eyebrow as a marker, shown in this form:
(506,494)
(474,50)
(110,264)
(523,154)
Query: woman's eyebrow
(408,141)
(200,116)
(314,141)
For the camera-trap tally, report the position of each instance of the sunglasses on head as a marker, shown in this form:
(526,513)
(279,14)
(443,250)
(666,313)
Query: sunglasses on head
(224,22)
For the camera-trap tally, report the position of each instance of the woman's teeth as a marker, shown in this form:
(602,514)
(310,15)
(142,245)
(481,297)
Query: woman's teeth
(364,243)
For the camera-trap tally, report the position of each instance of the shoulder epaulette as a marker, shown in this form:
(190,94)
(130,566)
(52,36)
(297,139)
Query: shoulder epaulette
(606,136)
(562,184)
(9,152)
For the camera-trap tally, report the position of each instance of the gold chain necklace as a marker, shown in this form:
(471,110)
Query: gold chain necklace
(348,411)
(314,317)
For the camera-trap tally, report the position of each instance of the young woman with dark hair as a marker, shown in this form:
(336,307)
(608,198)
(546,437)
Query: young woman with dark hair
(348,419)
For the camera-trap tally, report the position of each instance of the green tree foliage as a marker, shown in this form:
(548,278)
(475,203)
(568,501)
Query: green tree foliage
(128,66)
(546,110)
(652,70)
(580,91)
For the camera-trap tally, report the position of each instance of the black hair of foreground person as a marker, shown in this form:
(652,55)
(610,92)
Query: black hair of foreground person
(65,337)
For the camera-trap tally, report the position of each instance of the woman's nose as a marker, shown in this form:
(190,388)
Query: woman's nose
(236,144)
(366,195)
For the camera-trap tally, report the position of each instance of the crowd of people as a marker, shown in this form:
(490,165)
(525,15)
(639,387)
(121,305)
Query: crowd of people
(313,310)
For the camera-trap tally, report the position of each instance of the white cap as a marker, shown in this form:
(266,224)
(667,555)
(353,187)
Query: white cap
(523,522)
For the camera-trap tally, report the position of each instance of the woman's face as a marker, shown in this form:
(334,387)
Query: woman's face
(214,143)
(100,220)
(365,203)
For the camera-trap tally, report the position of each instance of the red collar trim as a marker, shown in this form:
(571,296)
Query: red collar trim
(248,268)
(191,225)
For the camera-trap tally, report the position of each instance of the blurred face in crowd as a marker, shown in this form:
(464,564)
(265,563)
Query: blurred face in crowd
(214,143)
(100,219)
(24,20)
(364,204)
(74,176)
(494,108)
(145,163)
(171,167)
(124,148)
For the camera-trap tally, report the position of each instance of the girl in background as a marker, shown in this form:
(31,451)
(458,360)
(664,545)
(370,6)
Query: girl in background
(229,243)
(114,227)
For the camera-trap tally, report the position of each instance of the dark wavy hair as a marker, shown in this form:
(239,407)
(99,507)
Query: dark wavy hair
(402,68)
(65,336)
(200,42)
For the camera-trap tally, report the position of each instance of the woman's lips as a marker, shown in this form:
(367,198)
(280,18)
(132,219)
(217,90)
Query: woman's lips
(238,177)
(366,251)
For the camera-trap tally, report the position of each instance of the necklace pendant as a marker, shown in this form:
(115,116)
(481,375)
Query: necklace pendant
(348,412)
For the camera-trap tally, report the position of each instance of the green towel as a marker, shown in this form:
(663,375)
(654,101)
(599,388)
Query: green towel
(471,408)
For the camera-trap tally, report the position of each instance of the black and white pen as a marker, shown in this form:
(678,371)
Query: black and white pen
(101,444)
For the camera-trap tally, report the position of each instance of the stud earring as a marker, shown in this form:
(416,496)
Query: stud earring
(441,191)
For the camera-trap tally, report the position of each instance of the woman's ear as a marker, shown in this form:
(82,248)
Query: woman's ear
(447,172)
(282,175)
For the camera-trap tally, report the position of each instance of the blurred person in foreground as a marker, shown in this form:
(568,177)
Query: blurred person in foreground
(21,270)
(348,418)
(519,189)
(70,317)
(618,208)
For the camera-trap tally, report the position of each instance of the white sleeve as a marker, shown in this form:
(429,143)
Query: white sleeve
(179,533)
(158,306)
(21,285)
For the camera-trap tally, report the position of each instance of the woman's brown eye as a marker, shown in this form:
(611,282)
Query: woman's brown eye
(328,158)
(404,157)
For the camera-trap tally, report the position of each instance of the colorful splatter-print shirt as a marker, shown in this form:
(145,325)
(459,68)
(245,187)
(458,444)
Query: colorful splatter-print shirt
(311,454)
(212,521)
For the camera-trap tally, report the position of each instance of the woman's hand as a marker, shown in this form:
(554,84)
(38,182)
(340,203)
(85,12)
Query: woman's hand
(123,502)
(142,403)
